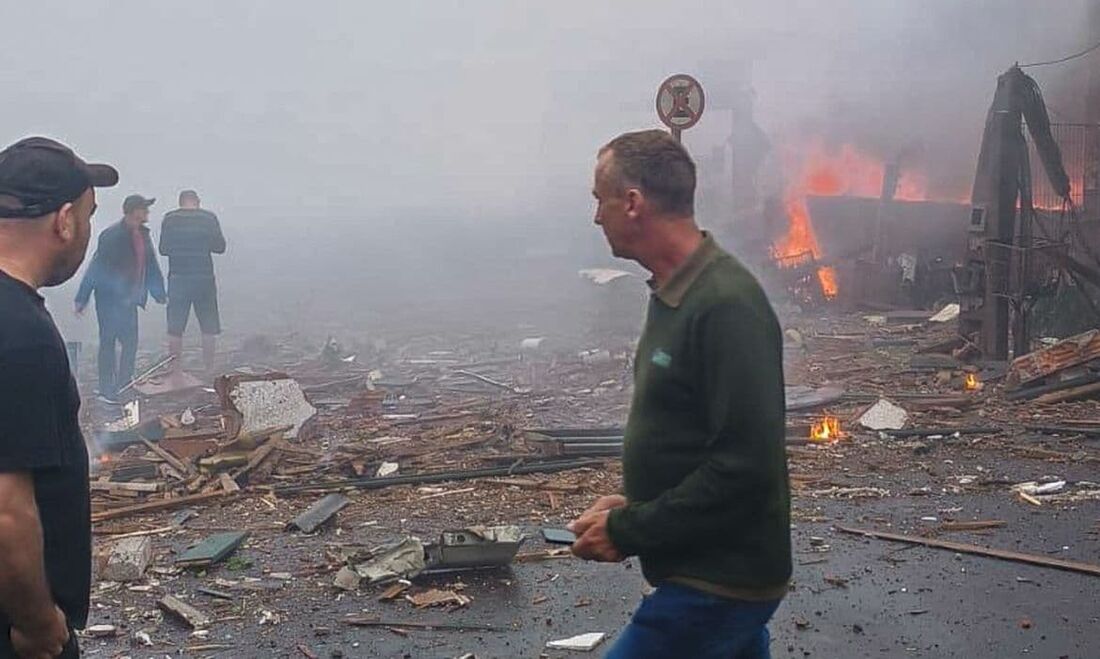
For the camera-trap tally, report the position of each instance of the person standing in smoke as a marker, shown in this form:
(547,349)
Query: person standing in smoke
(123,274)
(188,237)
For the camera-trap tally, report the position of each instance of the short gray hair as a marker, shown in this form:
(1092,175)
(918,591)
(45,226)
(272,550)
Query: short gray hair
(658,165)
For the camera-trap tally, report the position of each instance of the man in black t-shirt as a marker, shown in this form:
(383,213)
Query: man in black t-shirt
(47,199)
(188,236)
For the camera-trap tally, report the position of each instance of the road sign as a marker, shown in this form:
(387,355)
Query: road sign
(680,102)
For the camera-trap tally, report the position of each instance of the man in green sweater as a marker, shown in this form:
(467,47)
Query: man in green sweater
(706,505)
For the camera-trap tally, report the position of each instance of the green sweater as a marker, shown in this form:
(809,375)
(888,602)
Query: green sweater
(704,460)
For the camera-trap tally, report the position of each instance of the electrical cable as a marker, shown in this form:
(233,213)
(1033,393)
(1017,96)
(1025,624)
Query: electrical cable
(1064,59)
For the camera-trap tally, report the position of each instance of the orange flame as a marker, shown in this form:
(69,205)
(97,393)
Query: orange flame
(827,276)
(827,430)
(972,382)
(823,171)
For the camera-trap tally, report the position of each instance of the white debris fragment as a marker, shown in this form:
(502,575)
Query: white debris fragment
(581,642)
(1034,488)
(187,418)
(884,415)
(101,630)
(386,469)
(946,314)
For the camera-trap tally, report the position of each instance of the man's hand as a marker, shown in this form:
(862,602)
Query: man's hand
(609,502)
(593,543)
(45,643)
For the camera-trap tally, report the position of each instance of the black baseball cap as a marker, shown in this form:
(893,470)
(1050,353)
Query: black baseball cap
(39,175)
(136,201)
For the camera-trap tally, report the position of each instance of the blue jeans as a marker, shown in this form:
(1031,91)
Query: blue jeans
(677,621)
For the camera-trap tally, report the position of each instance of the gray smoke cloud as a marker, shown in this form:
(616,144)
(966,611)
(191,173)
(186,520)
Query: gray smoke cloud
(331,136)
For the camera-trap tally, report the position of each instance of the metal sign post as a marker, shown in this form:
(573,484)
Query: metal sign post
(680,103)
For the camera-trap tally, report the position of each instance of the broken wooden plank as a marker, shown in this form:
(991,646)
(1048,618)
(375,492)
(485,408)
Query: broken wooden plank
(193,617)
(177,464)
(1067,353)
(319,513)
(1070,394)
(227,483)
(362,621)
(258,456)
(945,432)
(976,525)
(1088,431)
(211,550)
(215,593)
(155,506)
(223,461)
(109,486)
(978,550)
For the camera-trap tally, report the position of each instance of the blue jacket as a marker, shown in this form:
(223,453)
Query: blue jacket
(109,273)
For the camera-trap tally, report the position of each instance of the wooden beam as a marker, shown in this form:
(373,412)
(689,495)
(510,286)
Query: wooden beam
(1073,393)
(176,463)
(156,506)
(978,550)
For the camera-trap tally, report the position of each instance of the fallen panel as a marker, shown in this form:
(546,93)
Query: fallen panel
(475,547)
(403,560)
(319,513)
(255,403)
(213,549)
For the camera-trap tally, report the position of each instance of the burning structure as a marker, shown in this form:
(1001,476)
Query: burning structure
(859,231)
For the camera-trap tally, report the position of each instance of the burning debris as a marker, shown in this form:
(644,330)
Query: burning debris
(827,430)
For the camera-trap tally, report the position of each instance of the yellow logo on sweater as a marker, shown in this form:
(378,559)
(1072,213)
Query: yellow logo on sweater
(661,358)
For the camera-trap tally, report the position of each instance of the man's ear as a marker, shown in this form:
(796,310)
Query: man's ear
(64,223)
(635,202)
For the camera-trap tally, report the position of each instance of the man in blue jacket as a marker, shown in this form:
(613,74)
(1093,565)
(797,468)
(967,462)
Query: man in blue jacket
(123,274)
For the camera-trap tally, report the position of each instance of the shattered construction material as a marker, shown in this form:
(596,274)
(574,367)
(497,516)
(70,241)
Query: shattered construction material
(475,547)
(1063,355)
(947,314)
(403,560)
(884,415)
(580,642)
(212,550)
(128,559)
(319,513)
(194,618)
(255,403)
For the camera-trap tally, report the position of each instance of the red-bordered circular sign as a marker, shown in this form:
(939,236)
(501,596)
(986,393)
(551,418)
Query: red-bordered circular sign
(680,101)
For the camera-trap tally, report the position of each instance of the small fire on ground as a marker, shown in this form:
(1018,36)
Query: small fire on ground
(972,383)
(826,430)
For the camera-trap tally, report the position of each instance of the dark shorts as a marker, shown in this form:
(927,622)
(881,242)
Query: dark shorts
(200,293)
